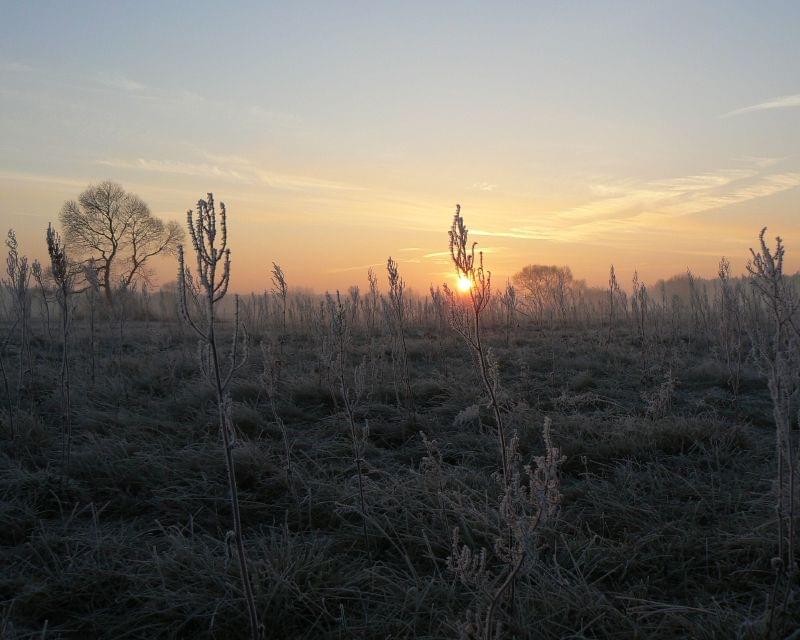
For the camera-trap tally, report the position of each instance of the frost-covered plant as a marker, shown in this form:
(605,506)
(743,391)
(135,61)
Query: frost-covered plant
(524,504)
(372,299)
(431,467)
(39,277)
(659,402)
(731,328)
(18,284)
(354,303)
(271,378)
(776,345)
(64,279)
(396,313)
(776,348)
(468,417)
(280,289)
(531,500)
(352,389)
(700,307)
(323,350)
(6,385)
(439,303)
(509,302)
(639,307)
(613,294)
(465,318)
(209,235)
(92,278)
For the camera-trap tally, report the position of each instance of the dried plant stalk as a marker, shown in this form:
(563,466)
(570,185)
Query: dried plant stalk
(214,275)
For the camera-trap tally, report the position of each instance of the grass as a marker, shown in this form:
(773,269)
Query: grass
(666,528)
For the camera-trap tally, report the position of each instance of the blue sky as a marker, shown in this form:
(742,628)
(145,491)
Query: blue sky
(653,135)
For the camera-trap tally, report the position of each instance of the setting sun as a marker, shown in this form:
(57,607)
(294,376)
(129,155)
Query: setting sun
(464,284)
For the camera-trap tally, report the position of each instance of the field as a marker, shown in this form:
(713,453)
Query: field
(665,528)
(261,378)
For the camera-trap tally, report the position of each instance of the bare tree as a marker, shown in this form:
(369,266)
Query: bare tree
(545,289)
(118,231)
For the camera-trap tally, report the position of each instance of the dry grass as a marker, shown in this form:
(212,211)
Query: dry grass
(665,529)
(607,471)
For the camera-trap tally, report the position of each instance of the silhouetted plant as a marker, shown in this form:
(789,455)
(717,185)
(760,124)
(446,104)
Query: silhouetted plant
(613,296)
(92,290)
(372,300)
(213,278)
(352,388)
(522,507)
(531,500)
(731,329)
(509,301)
(38,276)
(280,290)
(397,314)
(18,284)
(465,318)
(639,301)
(6,385)
(272,382)
(64,279)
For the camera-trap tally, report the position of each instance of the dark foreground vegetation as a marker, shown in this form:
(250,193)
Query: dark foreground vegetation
(364,432)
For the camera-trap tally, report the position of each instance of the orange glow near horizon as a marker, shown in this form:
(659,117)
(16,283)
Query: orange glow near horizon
(261,231)
(340,147)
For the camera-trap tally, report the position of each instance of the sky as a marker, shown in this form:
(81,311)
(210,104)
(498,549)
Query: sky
(657,136)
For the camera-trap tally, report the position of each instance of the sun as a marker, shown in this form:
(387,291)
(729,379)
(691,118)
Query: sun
(464,284)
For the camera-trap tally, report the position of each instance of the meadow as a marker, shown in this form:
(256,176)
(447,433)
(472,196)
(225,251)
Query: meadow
(491,462)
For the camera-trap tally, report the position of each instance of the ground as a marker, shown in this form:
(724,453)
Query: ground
(666,527)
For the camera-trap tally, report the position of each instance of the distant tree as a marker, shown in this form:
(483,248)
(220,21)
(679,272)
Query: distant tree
(545,287)
(116,230)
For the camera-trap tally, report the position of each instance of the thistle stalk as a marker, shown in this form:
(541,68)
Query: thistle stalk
(213,274)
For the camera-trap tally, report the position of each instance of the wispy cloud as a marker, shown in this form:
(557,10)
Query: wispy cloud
(625,209)
(77,184)
(275,117)
(22,176)
(176,168)
(518,234)
(121,83)
(183,98)
(63,91)
(361,267)
(14,66)
(484,186)
(231,168)
(784,102)
(761,162)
